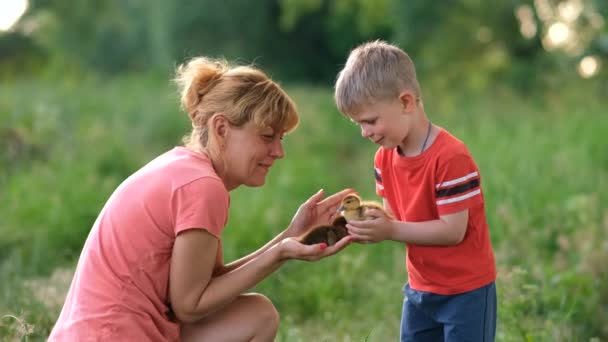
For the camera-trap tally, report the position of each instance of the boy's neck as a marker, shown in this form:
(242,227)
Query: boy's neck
(419,138)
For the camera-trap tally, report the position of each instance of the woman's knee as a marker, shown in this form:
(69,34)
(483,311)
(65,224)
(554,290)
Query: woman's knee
(263,309)
(251,317)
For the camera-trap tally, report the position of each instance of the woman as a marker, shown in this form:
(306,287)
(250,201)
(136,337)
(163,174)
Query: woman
(151,268)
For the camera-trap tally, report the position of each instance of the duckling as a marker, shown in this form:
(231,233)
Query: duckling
(330,234)
(353,208)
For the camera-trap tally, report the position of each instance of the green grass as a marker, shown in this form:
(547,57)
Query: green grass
(66,144)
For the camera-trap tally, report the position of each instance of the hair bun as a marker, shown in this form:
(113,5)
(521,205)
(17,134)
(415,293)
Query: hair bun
(196,78)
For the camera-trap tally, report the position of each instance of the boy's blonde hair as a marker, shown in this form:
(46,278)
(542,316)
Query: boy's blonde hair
(241,93)
(375,71)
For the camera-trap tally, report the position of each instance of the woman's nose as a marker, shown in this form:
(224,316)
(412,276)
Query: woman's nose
(277,151)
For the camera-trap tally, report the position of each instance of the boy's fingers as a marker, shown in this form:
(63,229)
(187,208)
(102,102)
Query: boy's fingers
(358,224)
(375,213)
(359,233)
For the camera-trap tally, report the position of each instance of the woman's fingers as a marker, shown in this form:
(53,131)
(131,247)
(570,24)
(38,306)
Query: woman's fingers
(314,199)
(340,245)
(321,250)
(335,199)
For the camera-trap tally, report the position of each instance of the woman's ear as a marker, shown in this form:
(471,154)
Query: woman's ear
(408,100)
(219,125)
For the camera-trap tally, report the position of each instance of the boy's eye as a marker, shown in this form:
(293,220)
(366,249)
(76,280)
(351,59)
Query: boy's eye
(271,136)
(268,136)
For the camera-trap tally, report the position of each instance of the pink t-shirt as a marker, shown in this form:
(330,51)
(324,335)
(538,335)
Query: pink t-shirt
(120,288)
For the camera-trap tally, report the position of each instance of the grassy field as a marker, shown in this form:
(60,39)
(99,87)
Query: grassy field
(65,145)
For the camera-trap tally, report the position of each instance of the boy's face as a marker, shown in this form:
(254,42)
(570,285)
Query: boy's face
(385,123)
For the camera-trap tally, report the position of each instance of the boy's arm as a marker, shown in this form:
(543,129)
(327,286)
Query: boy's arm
(388,209)
(446,231)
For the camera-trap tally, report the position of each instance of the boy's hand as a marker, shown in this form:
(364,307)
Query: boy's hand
(378,229)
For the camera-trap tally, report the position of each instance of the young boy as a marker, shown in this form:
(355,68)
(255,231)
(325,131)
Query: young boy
(432,187)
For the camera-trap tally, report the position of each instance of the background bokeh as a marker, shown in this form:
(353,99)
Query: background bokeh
(86,99)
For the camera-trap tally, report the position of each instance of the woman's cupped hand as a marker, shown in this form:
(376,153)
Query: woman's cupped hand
(291,248)
(316,211)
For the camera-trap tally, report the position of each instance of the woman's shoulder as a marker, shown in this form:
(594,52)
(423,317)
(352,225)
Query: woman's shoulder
(176,168)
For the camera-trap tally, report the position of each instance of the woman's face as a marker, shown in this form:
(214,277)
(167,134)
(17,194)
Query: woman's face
(249,152)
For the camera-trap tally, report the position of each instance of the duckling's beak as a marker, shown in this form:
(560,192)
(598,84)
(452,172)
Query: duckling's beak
(340,208)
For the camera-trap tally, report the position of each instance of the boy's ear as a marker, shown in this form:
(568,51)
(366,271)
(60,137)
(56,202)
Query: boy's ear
(408,100)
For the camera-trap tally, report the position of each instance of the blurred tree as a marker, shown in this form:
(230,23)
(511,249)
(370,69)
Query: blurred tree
(471,43)
(18,52)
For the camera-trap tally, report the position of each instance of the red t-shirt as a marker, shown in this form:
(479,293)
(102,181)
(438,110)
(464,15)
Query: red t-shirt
(442,180)
(120,288)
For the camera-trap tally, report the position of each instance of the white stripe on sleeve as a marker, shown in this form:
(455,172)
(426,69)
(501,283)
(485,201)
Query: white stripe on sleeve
(459,198)
(457,180)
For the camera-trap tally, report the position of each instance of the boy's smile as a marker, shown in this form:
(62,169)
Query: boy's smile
(382,123)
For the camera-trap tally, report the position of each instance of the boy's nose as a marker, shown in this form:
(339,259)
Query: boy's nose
(365,131)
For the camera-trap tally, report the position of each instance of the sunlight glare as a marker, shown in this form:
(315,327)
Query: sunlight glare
(589,66)
(558,34)
(570,10)
(10,12)
(527,26)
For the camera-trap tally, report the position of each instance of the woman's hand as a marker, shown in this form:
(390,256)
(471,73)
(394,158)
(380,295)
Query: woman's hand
(315,211)
(290,248)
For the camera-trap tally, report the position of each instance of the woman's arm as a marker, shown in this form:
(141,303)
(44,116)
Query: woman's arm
(223,269)
(195,292)
(312,212)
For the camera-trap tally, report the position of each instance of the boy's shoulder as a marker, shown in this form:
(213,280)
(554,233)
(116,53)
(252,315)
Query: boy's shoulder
(451,151)
(450,145)
(445,147)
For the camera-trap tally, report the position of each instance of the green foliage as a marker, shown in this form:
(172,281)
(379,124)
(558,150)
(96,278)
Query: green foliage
(542,158)
(470,43)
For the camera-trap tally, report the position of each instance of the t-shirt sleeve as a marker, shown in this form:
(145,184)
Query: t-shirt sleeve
(201,204)
(458,185)
(378,174)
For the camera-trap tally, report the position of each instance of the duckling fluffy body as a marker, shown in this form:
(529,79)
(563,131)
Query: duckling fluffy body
(353,208)
(330,234)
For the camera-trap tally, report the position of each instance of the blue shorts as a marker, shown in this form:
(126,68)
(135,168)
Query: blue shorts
(469,316)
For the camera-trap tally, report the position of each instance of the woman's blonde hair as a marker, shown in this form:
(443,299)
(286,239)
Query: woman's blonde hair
(241,93)
(374,71)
